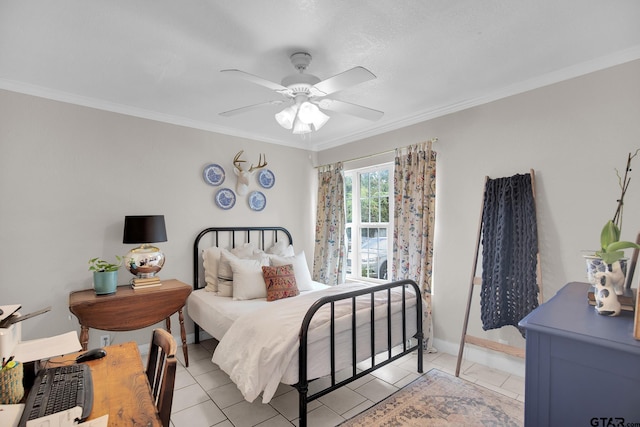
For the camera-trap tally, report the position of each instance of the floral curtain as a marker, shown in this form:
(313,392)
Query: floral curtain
(414,218)
(329,252)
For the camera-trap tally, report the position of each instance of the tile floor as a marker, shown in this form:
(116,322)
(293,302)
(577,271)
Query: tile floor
(205,396)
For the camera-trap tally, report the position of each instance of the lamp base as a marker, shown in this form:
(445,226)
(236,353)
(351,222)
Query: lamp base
(144,261)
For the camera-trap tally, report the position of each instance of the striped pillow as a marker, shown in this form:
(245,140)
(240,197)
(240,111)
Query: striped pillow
(280,281)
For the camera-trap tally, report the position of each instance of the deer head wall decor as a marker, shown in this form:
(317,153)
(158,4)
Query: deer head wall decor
(242,186)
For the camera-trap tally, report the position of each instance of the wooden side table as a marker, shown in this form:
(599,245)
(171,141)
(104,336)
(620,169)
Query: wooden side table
(130,309)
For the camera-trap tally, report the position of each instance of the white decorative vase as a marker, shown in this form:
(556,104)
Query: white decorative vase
(608,281)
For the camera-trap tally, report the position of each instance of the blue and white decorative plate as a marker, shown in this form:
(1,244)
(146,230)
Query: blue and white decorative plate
(266,178)
(213,174)
(225,198)
(257,200)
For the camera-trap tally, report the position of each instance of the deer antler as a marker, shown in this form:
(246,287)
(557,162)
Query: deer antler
(237,160)
(262,162)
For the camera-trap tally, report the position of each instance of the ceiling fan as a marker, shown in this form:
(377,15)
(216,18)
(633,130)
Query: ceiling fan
(306,95)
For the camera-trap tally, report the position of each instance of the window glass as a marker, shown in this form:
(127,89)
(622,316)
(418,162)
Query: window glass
(369,196)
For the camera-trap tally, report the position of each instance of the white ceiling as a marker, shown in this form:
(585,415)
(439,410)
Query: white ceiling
(160,59)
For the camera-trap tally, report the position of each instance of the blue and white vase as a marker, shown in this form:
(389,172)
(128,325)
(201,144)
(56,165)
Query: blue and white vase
(608,281)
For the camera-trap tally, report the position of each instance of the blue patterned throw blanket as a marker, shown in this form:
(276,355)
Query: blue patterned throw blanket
(509,252)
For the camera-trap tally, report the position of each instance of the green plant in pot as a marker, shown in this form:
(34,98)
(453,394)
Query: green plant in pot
(611,256)
(105,275)
(611,247)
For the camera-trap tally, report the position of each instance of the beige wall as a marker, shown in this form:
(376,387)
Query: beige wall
(69,175)
(573,134)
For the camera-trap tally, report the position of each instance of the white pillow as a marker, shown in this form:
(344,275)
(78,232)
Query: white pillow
(245,250)
(225,288)
(300,269)
(248,282)
(281,248)
(224,267)
(211,259)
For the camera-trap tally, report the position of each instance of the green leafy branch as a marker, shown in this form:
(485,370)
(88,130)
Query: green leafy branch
(98,264)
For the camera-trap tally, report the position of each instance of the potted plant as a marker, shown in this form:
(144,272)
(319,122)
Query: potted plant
(610,259)
(105,275)
(611,247)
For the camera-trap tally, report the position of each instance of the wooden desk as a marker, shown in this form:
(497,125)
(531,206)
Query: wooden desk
(120,386)
(130,309)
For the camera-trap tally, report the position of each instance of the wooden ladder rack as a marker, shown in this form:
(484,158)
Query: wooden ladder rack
(477,281)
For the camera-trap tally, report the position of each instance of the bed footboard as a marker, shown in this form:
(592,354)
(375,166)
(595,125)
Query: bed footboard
(303,381)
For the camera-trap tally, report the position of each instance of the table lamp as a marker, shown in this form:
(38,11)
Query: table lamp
(146,260)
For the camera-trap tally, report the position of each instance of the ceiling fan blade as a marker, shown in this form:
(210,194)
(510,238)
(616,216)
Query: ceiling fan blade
(249,108)
(257,80)
(352,109)
(343,80)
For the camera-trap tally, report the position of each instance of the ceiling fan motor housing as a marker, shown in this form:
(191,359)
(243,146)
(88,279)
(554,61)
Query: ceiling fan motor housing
(300,83)
(300,60)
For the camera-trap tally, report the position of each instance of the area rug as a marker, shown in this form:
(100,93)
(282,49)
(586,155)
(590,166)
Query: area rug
(440,399)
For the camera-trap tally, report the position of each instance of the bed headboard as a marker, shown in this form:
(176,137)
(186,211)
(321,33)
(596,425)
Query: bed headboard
(229,238)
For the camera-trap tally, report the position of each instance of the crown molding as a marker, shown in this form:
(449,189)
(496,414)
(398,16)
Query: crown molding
(548,79)
(557,76)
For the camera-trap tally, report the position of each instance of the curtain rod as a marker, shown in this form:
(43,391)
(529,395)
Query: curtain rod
(368,156)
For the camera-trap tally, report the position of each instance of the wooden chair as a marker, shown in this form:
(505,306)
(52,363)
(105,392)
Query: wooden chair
(161,372)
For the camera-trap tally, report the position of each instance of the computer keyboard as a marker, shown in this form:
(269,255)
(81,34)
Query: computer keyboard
(58,389)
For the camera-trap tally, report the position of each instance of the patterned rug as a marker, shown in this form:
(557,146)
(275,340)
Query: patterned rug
(440,399)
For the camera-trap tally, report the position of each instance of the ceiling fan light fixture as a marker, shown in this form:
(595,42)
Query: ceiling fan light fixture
(286,117)
(300,128)
(307,94)
(310,114)
(307,112)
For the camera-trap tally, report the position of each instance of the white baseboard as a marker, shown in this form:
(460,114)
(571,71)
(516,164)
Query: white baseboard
(492,359)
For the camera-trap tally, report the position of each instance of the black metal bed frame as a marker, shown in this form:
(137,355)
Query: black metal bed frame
(303,381)
(246,233)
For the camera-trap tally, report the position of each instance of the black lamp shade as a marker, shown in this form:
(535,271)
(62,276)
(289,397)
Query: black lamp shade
(144,229)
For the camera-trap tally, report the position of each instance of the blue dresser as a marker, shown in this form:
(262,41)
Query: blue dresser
(580,365)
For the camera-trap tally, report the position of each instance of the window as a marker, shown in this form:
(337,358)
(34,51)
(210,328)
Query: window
(368,202)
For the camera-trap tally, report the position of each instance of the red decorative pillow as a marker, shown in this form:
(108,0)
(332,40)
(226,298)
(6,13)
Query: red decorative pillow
(280,281)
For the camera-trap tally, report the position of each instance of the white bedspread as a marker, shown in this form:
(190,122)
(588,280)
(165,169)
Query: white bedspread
(260,346)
